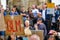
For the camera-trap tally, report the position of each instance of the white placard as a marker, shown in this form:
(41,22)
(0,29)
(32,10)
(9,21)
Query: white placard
(50,10)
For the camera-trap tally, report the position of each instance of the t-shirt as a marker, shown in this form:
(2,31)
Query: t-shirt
(35,12)
(15,13)
(43,14)
(21,12)
(42,27)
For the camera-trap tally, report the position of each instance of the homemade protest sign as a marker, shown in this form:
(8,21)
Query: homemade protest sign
(14,25)
(38,33)
(50,8)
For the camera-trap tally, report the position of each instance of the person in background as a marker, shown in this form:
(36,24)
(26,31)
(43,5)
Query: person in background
(23,13)
(46,17)
(14,11)
(58,24)
(55,21)
(56,13)
(41,26)
(7,11)
(35,12)
(28,28)
(40,10)
(30,16)
(18,8)
(40,16)
(30,13)
(44,11)
(27,25)
(56,34)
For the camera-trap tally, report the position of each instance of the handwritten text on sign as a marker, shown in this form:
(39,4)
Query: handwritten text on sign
(14,25)
(11,26)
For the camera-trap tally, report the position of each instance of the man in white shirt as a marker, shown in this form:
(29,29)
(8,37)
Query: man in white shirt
(34,10)
(44,12)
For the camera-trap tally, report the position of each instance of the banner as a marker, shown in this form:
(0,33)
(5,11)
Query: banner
(50,8)
(37,34)
(14,25)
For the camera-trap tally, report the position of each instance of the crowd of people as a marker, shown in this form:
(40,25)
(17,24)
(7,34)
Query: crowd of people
(36,18)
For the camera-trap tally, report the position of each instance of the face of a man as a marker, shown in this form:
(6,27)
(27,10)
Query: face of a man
(14,9)
(33,6)
(44,6)
(56,7)
(38,7)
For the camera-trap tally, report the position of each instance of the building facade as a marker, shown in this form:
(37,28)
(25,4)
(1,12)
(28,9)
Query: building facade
(25,3)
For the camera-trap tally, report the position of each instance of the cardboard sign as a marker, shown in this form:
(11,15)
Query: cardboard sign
(50,5)
(50,11)
(50,8)
(14,25)
(38,33)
